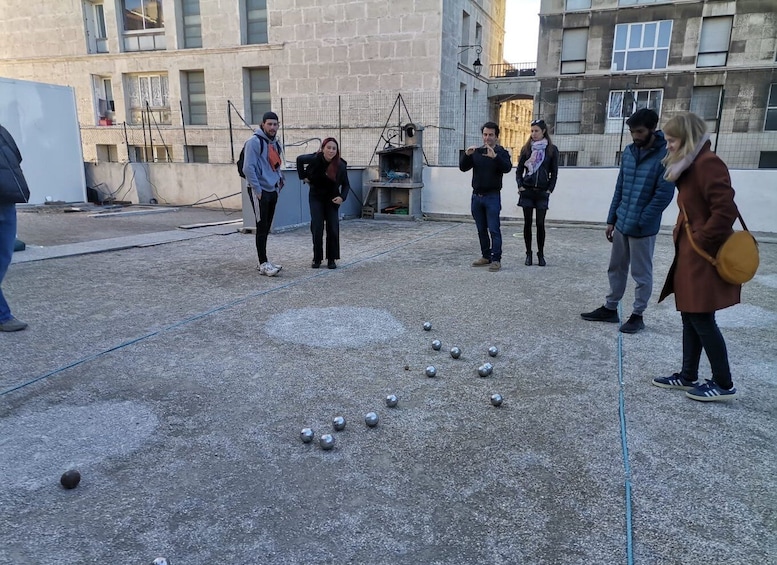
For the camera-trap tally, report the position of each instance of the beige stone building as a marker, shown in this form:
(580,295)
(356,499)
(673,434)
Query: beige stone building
(600,60)
(159,80)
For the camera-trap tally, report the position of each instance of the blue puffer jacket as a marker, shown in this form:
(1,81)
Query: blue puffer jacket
(641,193)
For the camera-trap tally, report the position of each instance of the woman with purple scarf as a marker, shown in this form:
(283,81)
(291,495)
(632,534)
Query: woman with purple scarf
(536,177)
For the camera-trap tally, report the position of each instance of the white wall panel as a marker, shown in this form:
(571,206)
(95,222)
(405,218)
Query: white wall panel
(42,119)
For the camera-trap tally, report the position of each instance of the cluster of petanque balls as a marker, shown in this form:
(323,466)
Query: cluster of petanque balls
(485,370)
(327,441)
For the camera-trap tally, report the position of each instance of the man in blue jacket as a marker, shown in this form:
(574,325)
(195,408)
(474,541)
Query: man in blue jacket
(262,170)
(641,195)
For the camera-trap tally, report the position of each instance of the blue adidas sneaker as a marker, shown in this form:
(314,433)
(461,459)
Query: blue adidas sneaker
(711,392)
(675,380)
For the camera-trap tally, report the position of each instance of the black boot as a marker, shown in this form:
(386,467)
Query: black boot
(541,259)
(528,259)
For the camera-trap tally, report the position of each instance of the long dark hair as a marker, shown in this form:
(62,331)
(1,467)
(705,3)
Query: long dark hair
(334,164)
(526,149)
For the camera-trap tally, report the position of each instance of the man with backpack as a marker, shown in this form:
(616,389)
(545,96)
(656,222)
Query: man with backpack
(262,170)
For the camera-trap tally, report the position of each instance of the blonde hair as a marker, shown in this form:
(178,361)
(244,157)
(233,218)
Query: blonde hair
(689,129)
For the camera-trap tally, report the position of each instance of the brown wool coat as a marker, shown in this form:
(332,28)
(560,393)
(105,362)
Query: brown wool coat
(705,192)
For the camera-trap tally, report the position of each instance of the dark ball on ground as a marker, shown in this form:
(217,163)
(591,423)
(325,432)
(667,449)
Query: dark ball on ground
(70,479)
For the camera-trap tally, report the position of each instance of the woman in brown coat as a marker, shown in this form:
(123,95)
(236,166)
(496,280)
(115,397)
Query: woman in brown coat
(705,194)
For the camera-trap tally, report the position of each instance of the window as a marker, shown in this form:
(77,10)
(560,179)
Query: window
(149,154)
(108,153)
(767,160)
(96,33)
(623,103)
(143,25)
(641,46)
(197,153)
(567,158)
(705,103)
(192,25)
(574,45)
(635,2)
(569,112)
(195,93)
(464,36)
(771,110)
(578,5)
(103,93)
(148,99)
(256,21)
(714,40)
(259,93)
(141,15)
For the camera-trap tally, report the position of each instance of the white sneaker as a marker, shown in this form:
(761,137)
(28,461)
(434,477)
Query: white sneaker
(268,269)
(279,267)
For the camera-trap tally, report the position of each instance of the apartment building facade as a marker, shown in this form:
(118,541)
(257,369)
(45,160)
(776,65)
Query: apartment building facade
(180,68)
(601,60)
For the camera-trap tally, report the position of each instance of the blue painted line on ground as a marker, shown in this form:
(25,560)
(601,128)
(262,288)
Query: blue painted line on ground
(209,312)
(625,449)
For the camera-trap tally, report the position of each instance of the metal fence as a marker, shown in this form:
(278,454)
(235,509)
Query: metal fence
(587,133)
(361,123)
(590,130)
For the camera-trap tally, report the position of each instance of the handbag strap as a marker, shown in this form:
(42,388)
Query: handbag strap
(696,248)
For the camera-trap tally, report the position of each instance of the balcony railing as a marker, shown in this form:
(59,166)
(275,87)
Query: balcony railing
(509,70)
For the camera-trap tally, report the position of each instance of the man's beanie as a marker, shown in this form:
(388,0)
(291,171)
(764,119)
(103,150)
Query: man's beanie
(269,116)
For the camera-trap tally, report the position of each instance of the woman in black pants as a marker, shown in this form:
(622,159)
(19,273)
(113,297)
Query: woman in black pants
(536,177)
(327,175)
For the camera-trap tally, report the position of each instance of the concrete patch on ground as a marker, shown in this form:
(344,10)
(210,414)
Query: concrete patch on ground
(38,447)
(334,327)
(746,316)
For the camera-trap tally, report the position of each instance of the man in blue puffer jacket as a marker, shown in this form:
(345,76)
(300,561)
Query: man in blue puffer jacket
(641,195)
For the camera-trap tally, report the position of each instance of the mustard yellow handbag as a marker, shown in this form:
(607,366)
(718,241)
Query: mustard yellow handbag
(737,259)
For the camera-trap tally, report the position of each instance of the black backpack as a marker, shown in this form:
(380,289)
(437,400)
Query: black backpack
(241,160)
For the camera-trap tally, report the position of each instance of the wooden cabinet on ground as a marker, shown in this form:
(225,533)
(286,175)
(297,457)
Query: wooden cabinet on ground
(397,190)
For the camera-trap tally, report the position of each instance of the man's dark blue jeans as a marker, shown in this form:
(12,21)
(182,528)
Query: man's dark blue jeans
(485,211)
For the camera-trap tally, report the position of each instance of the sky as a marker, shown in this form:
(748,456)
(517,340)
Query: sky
(521,31)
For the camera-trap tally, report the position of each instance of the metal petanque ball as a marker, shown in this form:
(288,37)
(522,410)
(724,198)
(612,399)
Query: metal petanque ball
(455,352)
(493,351)
(160,561)
(496,399)
(371,419)
(436,345)
(326,442)
(431,371)
(489,367)
(427,326)
(70,479)
(391,400)
(306,435)
(483,371)
(338,423)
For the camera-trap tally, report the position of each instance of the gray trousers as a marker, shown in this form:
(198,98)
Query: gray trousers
(637,252)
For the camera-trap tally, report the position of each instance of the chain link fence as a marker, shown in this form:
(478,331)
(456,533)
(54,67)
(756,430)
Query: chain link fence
(362,124)
(587,133)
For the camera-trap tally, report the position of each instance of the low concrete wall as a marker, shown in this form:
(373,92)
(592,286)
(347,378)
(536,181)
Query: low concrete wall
(584,195)
(179,184)
(581,195)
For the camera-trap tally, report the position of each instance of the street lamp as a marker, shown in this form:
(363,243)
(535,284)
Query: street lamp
(477,66)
